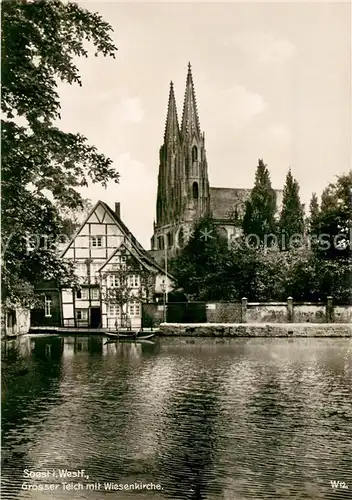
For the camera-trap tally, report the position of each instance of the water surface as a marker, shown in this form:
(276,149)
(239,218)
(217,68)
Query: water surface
(204,419)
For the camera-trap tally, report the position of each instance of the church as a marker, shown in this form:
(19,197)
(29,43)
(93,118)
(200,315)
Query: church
(183,193)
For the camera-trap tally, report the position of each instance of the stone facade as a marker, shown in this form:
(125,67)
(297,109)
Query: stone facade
(184,194)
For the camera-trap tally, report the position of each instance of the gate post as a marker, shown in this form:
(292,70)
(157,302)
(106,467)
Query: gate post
(244,310)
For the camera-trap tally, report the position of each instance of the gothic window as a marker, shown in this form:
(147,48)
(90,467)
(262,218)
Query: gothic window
(181,238)
(195,190)
(222,231)
(194,153)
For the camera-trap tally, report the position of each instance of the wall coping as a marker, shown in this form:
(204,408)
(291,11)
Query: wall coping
(258,325)
(266,304)
(318,304)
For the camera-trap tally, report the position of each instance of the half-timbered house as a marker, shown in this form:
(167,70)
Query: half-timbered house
(115,274)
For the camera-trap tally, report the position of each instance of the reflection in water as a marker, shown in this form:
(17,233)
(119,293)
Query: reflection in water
(208,420)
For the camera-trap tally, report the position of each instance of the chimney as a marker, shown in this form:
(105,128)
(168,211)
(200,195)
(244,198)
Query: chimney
(117,209)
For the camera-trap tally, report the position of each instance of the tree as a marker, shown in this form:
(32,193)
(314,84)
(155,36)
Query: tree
(72,219)
(121,292)
(313,212)
(332,225)
(42,166)
(292,213)
(259,217)
(202,264)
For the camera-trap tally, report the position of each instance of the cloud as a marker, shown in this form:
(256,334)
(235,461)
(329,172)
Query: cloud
(130,109)
(278,133)
(242,105)
(265,47)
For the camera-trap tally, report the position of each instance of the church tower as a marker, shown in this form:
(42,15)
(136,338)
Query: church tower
(195,169)
(183,186)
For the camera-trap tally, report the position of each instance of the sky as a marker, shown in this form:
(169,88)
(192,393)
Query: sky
(272,81)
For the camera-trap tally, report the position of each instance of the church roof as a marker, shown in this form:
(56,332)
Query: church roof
(224,201)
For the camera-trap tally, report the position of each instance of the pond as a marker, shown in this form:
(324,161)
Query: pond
(202,419)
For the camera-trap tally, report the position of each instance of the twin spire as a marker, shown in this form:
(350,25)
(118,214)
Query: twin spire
(190,120)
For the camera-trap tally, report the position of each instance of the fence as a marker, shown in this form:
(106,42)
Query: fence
(246,312)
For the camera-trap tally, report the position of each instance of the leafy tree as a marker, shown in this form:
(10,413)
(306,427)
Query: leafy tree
(333,224)
(292,213)
(121,293)
(42,166)
(259,217)
(72,219)
(202,264)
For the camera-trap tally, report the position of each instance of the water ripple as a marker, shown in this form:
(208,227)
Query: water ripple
(242,419)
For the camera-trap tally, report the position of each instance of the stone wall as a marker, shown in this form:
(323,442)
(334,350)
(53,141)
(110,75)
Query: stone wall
(15,321)
(253,312)
(224,312)
(309,313)
(342,314)
(275,312)
(257,330)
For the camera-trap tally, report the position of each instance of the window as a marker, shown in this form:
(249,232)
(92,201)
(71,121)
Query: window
(82,294)
(95,293)
(133,281)
(82,314)
(134,309)
(114,310)
(181,237)
(113,281)
(194,153)
(96,241)
(47,306)
(222,231)
(195,190)
(169,240)
(123,258)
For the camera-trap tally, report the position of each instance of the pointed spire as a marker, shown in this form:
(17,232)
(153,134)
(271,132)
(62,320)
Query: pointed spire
(190,120)
(171,128)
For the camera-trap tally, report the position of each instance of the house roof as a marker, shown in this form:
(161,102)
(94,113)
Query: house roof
(140,252)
